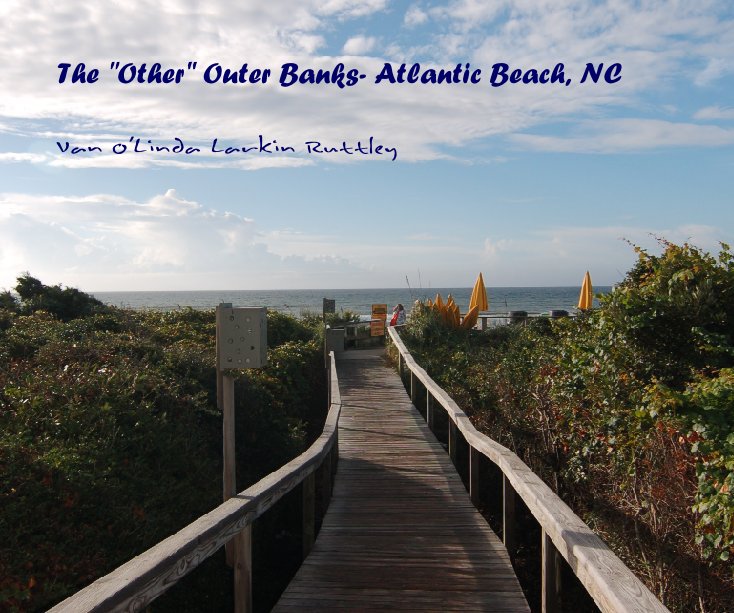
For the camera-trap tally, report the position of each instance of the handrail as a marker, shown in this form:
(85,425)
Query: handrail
(132,586)
(608,581)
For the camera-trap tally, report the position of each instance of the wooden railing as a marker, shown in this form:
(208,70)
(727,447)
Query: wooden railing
(132,586)
(613,587)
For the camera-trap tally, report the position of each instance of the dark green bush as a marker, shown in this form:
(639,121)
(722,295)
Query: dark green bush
(64,302)
(110,439)
(627,411)
(283,328)
(8,302)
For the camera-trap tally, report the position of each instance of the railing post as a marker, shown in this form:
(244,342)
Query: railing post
(413,387)
(243,570)
(429,410)
(325,483)
(551,576)
(229,487)
(328,381)
(334,455)
(508,516)
(452,440)
(474,475)
(309,513)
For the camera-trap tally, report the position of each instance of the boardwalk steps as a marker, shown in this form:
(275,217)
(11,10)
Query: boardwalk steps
(401,531)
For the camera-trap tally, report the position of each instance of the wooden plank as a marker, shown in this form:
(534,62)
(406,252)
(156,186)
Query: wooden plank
(375,599)
(227,485)
(243,570)
(401,531)
(508,516)
(228,447)
(453,441)
(430,417)
(550,589)
(309,513)
(474,483)
(610,583)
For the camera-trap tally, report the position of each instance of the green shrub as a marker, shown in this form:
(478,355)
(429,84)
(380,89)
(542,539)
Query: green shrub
(627,411)
(110,438)
(64,302)
(283,328)
(8,302)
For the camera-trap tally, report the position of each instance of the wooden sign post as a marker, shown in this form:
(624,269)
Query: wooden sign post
(241,337)
(379,318)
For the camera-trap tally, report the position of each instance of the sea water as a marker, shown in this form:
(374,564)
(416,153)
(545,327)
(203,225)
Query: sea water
(301,301)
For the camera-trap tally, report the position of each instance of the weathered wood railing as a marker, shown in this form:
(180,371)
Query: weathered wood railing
(613,587)
(132,586)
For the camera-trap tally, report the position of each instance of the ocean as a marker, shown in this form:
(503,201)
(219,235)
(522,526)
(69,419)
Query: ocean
(534,300)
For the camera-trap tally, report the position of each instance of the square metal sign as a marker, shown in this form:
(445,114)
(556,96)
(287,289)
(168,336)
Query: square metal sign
(243,339)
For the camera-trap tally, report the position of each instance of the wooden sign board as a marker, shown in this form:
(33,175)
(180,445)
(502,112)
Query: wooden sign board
(377,327)
(329,306)
(379,311)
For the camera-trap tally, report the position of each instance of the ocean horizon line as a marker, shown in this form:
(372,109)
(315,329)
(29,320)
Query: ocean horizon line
(335,289)
(531,299)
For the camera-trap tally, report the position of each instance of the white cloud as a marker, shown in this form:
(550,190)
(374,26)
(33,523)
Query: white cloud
(714,113)
(307,43)
(626,135)
(359,45)
(561,255)
(415,16)
(657,42)
(170,204)
(472,13)
(351,8)
(102,233)
(367,251)
(105,242)
(715,69)
(133,161)
(10,156)
(493,247)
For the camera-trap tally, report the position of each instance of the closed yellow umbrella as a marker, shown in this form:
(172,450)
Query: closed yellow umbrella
(452,312)
(448,313)
(455,315)
(586,298)
(438,305)
(470,319)
(479,295)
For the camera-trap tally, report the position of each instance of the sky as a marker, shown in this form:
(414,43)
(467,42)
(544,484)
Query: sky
(530,183)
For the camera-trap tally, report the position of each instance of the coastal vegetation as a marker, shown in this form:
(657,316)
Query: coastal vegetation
(110,438)
(627,411)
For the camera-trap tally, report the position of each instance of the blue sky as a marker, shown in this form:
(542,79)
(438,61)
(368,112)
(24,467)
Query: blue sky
(530,184)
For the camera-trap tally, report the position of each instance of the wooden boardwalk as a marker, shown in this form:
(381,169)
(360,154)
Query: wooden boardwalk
(401,532)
